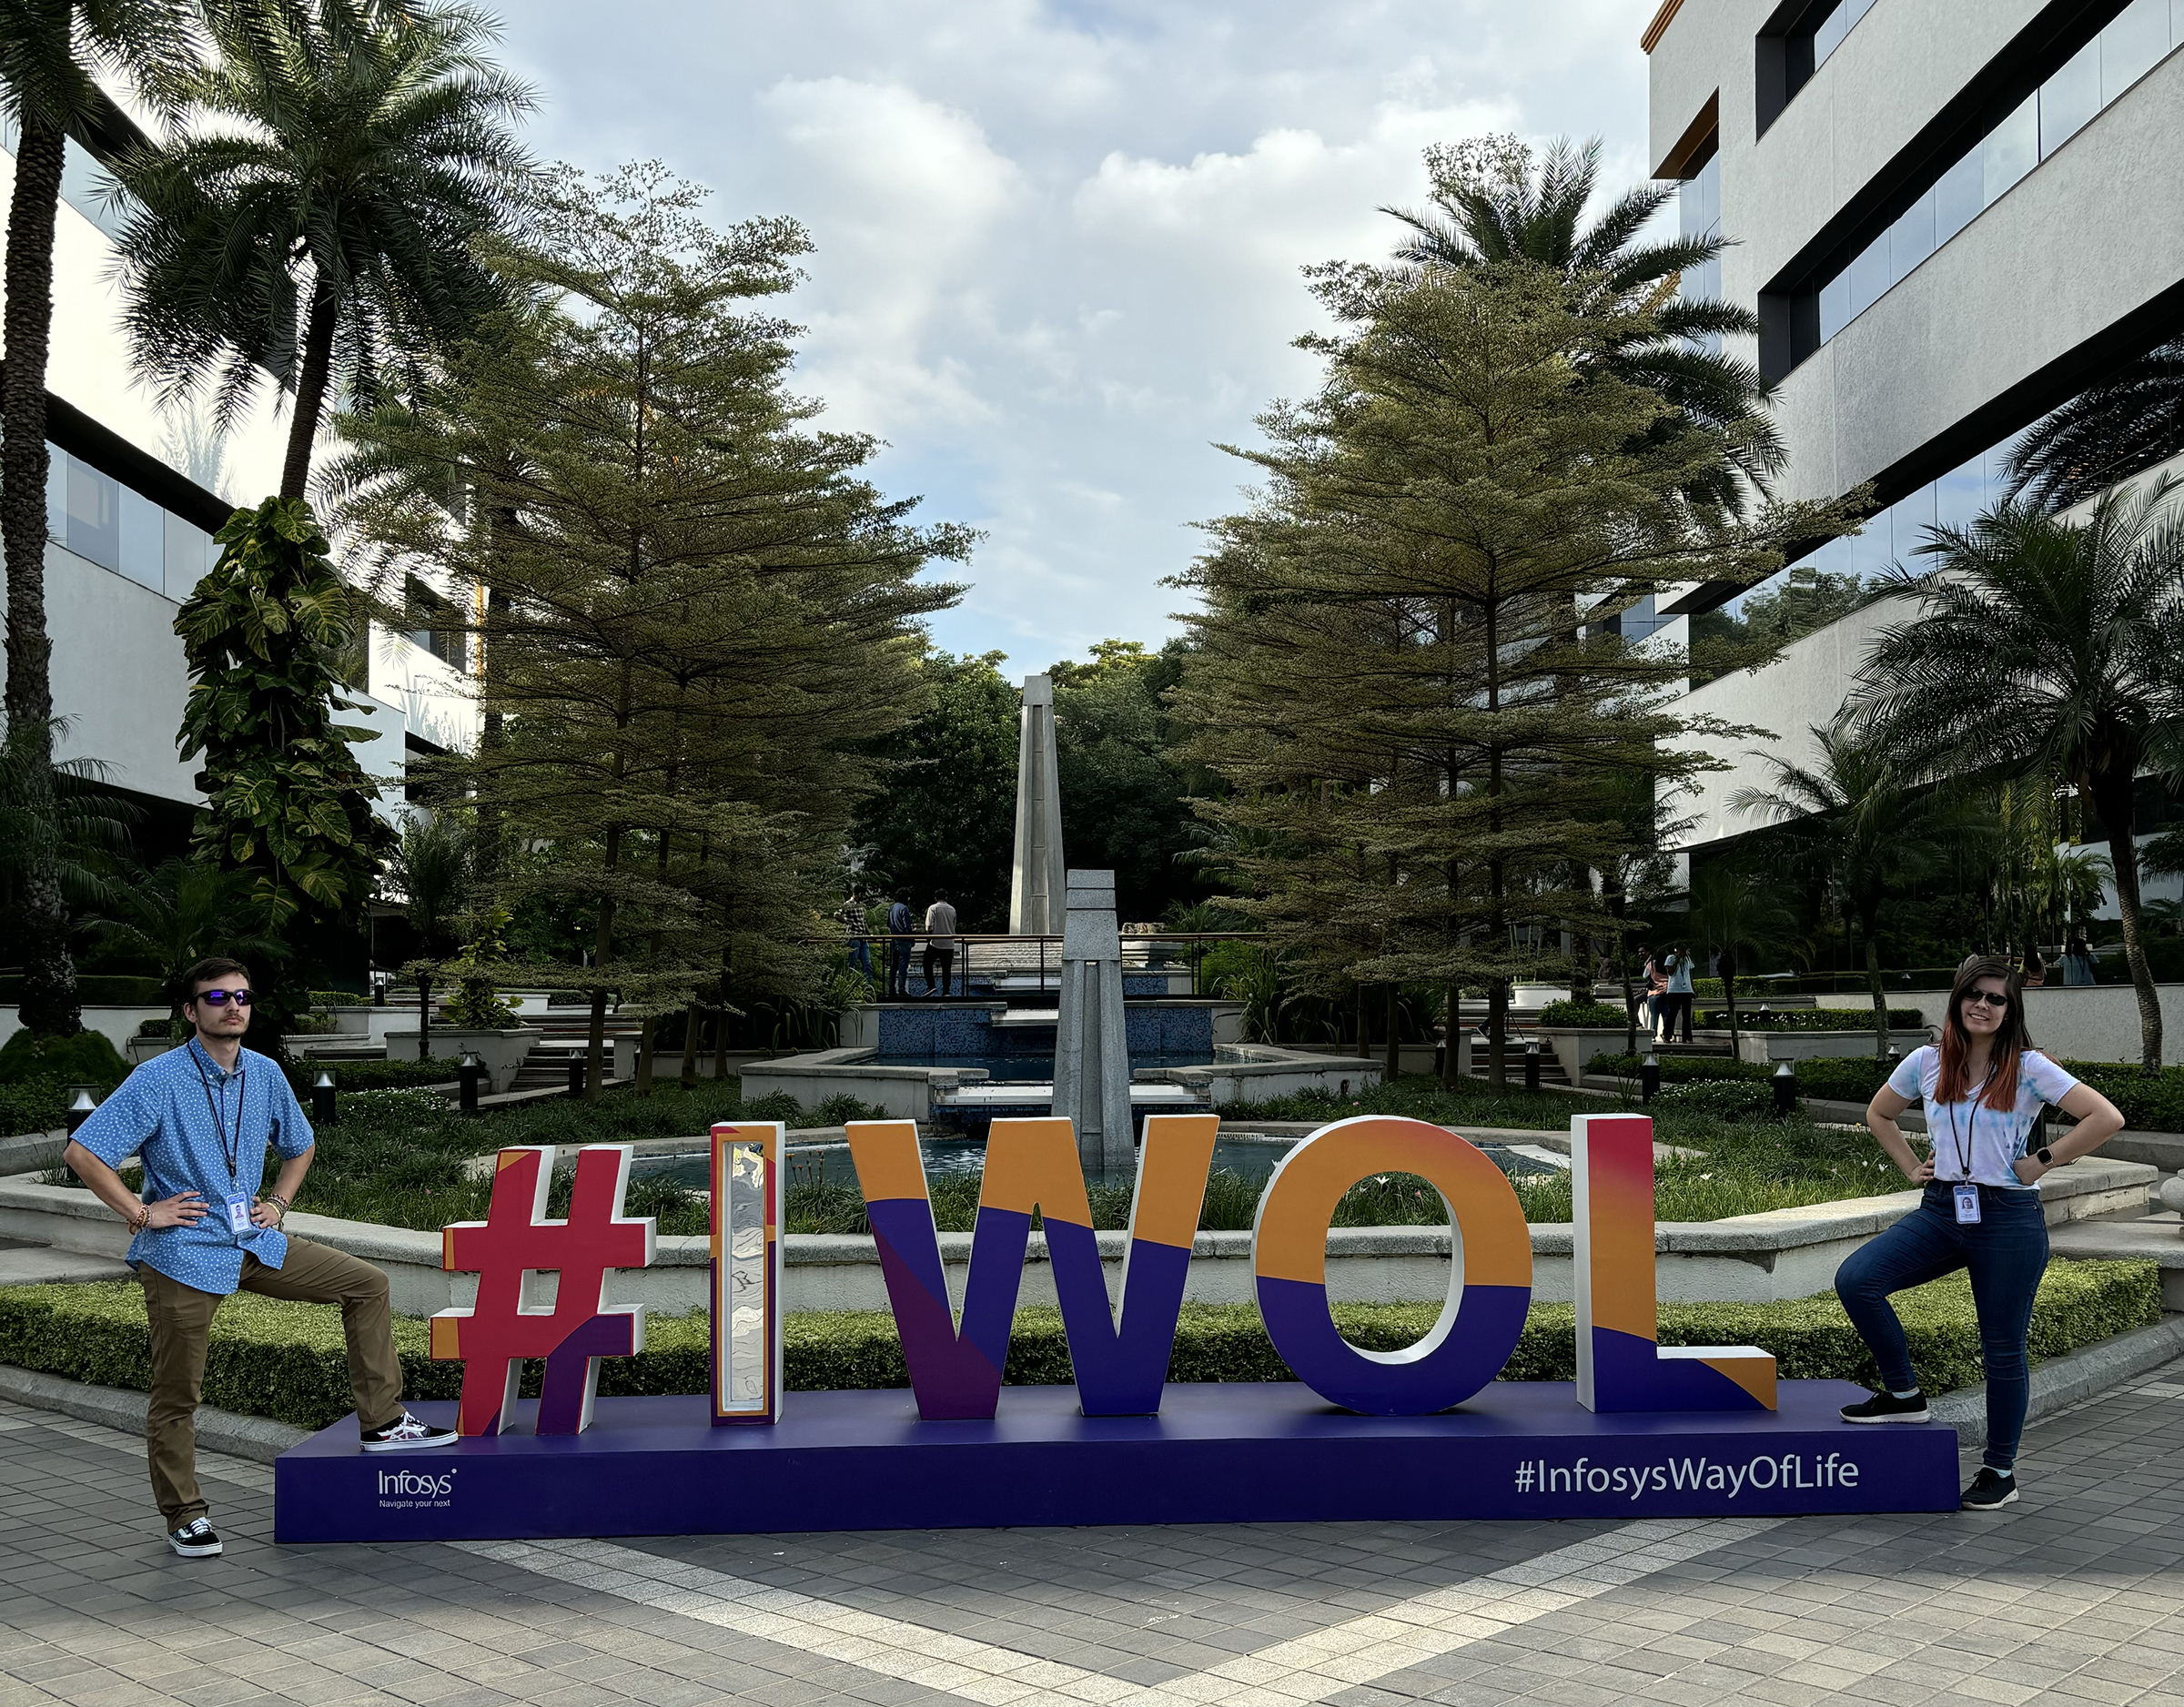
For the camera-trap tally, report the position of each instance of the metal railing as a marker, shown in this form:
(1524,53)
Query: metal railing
(1141,952)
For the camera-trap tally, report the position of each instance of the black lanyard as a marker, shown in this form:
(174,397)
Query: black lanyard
(1964,1140)
(230,1153)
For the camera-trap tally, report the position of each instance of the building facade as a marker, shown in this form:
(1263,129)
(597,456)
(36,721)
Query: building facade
(1950,217)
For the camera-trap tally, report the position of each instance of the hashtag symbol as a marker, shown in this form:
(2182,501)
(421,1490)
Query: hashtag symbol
(1524,1476)
(495,1335)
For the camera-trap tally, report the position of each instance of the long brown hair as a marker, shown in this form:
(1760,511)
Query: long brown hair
(2011,1037)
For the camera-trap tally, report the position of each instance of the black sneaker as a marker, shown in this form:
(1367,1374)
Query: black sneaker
(406,1433)
(1990,1488)
(194,1540)
(1886,1407)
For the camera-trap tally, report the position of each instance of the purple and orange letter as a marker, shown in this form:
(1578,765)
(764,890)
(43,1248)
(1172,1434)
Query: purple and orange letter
(1621,1365)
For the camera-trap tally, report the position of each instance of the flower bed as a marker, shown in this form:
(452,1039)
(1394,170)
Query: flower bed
(272,1359)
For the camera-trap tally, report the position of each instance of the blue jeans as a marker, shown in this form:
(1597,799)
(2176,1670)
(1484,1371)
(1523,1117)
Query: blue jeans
(2006,1253)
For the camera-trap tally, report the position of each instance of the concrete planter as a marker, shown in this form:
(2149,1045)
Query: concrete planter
(1763,1047)
(503,1052)
(1573,1046)
(904,1091)
(1746,1258)
(142,1049)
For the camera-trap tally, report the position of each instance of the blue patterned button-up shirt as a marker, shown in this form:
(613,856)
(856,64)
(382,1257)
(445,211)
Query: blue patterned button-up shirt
(164,1113)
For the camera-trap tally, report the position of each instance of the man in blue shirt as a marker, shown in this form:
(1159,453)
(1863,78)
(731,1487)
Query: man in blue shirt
(200,1117)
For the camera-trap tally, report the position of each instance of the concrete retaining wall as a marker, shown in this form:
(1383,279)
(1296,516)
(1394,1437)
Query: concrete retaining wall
(2092,1022)
(1748,1258)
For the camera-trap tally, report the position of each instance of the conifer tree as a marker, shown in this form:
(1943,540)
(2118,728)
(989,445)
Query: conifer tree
(1404,664)
(697,614)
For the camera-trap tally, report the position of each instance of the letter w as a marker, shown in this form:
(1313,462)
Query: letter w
(1033,1164)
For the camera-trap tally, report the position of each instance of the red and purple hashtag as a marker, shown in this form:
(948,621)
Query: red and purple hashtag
(498,1332)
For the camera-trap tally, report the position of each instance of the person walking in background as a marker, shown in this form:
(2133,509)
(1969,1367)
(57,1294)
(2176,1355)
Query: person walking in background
(1680,998)
(940,941)
(1983,1089)
(901,921)
(2035,969)
(852,925)
(1656,995)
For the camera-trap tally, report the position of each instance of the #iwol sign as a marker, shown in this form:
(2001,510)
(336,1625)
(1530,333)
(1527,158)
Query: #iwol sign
(1426,1431)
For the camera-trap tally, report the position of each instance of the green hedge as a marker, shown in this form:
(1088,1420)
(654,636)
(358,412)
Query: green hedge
(100,989)
(285,1360)
(1835,1078)
(1814,1019)
(2148,1103)
(372,1076)
(1596,1014)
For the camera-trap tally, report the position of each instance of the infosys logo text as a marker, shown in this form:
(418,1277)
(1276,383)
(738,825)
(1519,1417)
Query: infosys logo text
(407,1481)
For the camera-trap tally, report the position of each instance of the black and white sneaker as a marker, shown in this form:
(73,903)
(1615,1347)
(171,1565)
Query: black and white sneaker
(407,1433)
(1886,1407)
(194,1540)
(1990,1488)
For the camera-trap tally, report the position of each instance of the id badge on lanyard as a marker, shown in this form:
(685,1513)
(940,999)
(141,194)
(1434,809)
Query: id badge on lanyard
(239,1212)
(1967,1203)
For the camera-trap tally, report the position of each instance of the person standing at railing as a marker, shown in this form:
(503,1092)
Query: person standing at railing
(1681,996)
(853,926)
(901,921)
(940,941)
(1657,996)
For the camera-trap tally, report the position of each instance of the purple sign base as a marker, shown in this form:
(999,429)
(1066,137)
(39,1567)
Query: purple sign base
(1272,1452)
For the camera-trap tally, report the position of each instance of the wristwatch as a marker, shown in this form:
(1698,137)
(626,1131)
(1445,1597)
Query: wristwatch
(2044,1157)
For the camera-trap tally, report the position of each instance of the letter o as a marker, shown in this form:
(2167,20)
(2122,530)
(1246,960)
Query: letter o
(1752,1472)
(1598,1480)
(1489,1288)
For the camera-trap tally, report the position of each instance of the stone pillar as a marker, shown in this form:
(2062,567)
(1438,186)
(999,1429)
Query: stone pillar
(1036,880)
(1091,1058)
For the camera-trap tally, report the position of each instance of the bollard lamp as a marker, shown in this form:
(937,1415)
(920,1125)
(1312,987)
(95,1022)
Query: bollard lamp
(470,1067)
(1532,1064)
(82,1105)
(1785,1088)
(1649,1076)
(322,1098)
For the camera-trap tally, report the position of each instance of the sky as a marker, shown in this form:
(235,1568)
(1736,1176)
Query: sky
(1058,242)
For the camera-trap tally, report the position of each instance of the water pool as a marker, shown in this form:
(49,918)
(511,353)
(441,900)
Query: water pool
(1245,1155)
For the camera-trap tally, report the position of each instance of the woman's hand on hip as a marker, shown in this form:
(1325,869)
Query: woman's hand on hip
(2028,1168)
(1920,1171)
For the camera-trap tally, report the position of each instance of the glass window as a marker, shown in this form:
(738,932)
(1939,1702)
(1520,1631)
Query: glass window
(1834,306)
(1960,194)
(1868,276)
(82,177)
(188,555)
(2012,149)
(143,539)
(2131,46)
(57,494)
(2070,98)
(1911,237)
(1960,494)
(1835,25)
(93,514)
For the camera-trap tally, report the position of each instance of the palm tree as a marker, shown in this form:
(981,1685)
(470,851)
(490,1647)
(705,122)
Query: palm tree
(51,52)
(316,210)
(431,865)
(2106,433)
(2049,648)
(1852,818)
(1493,205)
(183,912)
(1737,911)
(60,833)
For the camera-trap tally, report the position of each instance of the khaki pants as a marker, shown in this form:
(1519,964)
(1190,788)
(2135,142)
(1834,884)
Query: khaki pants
(181,1318)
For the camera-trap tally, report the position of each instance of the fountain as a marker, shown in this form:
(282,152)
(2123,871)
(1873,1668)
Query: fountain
(1036,878)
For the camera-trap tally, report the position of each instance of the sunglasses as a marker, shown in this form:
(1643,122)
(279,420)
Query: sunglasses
(221,998)
(1988,996)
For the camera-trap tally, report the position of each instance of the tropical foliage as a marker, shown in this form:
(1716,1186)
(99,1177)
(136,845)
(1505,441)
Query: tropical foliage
(285,801)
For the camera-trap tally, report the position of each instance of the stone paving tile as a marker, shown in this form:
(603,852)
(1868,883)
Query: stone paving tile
(2075,1594)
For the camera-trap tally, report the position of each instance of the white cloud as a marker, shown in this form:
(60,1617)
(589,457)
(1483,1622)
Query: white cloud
(1058,240)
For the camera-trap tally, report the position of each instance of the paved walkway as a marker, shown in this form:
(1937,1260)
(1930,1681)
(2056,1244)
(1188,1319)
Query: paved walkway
(2077,1594)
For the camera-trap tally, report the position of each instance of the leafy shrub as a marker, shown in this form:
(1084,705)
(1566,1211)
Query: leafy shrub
(1583,1013)
(840,1109)
(87,1058)
(338,998)
(1679,1069)
(1726,1099)
(33,1105)
(269,1357)
(372,1076)
(2148,1103)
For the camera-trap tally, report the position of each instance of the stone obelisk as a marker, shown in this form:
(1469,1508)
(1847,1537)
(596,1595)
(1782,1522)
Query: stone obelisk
(1091,1053)
(1035,881)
